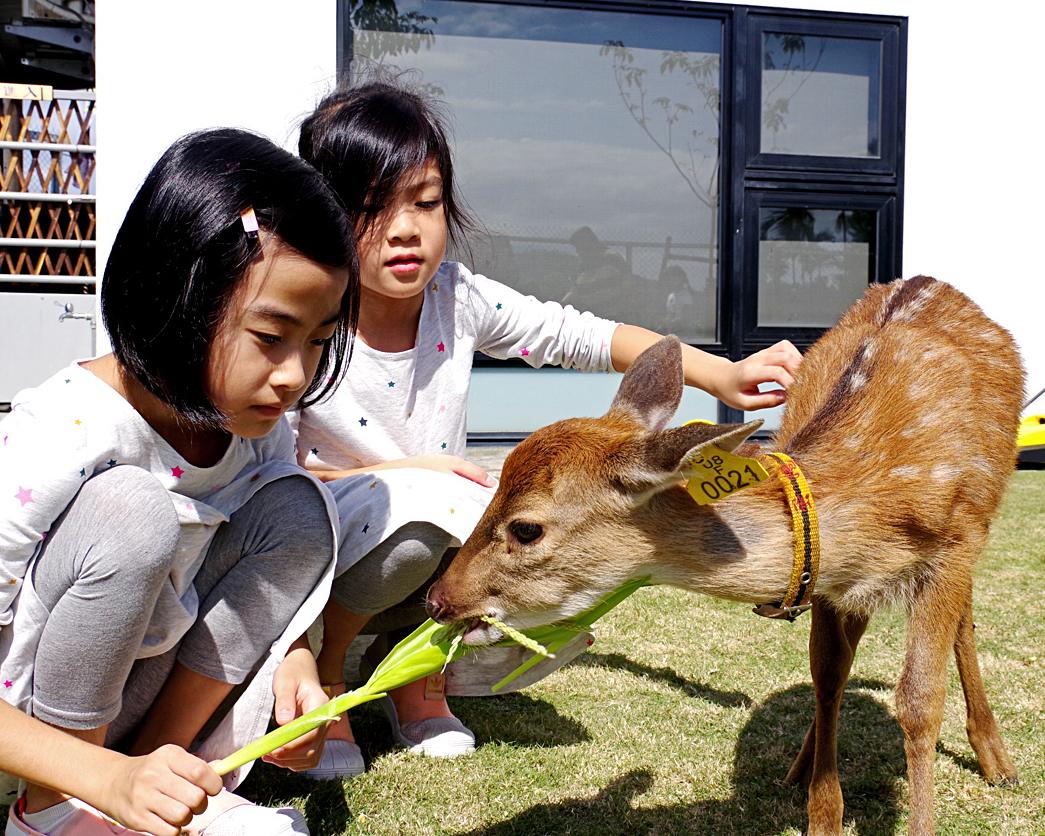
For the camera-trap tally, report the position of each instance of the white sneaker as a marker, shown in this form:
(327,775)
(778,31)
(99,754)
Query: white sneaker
(476,674)
(242,818)
(438,737)
(76,818)
(340,759)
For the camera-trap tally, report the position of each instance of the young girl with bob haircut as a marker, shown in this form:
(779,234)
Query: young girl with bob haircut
(159,545)
(390,442)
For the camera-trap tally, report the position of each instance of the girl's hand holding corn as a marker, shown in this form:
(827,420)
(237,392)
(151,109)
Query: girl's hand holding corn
(297,691)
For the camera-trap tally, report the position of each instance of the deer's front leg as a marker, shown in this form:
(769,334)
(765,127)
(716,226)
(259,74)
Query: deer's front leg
(832,646)
(801,771)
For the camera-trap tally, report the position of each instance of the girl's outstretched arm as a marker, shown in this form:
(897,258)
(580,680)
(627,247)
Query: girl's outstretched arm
(433,461)
(735,384)
(156,793)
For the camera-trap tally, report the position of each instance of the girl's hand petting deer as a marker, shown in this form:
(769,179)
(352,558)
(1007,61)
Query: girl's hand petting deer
(735,384)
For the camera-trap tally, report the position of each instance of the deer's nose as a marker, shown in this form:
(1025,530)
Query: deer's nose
(434,604)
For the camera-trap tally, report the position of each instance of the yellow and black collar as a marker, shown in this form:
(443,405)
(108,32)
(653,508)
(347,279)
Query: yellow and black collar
(806,529)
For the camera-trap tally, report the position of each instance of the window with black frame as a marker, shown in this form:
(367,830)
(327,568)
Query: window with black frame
(723,173)
(818,196)
(587,143)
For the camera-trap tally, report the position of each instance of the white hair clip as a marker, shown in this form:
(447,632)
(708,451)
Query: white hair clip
(250,222)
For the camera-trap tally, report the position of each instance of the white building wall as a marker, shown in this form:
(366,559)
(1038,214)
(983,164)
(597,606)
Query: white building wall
(971,185)
(167,68)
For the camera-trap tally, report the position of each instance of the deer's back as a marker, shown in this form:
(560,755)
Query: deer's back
(911,405)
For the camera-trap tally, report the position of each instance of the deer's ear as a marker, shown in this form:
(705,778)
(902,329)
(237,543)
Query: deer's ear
(665,458)
(652,386)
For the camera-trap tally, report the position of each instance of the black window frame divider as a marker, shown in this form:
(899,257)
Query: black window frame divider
(747,176)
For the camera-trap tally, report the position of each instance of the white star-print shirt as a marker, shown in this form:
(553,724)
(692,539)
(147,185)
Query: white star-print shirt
(73,426)
(395,405)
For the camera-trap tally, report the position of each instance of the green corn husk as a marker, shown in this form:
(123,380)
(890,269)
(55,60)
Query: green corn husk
(429,649)
(555,636)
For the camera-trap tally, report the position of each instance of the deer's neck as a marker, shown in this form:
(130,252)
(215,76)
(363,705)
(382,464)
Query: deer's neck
(740,548)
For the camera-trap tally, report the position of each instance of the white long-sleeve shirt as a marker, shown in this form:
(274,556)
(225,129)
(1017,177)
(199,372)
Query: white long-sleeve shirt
(394,405)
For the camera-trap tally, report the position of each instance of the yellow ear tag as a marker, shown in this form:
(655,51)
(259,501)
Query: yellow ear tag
(717,473)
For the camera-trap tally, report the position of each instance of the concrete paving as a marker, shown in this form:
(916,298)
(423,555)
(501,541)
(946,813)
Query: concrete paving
(489,457)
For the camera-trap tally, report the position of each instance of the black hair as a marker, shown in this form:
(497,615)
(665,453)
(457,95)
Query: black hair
(366,139)
(182,250)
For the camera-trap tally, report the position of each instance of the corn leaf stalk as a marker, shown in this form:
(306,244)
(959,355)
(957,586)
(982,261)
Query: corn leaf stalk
(429,649)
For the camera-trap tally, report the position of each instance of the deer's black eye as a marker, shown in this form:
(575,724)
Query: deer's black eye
(525,532)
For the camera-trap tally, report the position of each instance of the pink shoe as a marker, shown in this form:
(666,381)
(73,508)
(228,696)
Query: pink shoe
(84,821)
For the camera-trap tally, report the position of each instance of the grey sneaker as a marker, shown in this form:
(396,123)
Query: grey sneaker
(476,674)
(340,759)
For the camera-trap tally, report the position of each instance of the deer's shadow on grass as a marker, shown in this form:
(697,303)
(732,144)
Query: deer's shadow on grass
(665,675)
(524,720)
(871,760)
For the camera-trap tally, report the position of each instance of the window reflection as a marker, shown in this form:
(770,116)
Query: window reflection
(812,264)
(587,143)
(820,96)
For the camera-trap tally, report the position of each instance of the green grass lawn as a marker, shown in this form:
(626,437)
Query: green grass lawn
(685,716)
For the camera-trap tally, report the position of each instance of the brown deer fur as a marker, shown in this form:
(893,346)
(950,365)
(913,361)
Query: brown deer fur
(903,418)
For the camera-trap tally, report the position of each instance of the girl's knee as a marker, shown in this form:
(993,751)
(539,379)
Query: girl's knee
(295,503)
(119,513)
(131,497)
(425,536)
(393,571)
(143,515)
(284,531)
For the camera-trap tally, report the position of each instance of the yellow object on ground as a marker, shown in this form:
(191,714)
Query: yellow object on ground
(1031,441)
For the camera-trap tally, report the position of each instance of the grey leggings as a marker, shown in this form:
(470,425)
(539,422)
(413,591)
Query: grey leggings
(391,572)
(102,569)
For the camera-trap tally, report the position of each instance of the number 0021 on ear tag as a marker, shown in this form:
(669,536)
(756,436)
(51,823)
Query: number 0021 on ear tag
(717,473)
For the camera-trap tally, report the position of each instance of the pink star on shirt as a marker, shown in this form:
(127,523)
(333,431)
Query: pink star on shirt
(177,472)
(441,347)
(24,495)
(524,352)
(8,683)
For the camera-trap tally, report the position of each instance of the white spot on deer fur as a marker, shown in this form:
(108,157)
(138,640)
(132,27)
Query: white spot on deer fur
(917,392)
(858,381)
(992,337)
(914,305)
(979,466)
(906,472)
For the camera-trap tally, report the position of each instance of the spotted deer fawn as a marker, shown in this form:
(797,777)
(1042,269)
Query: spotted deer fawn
(903,419)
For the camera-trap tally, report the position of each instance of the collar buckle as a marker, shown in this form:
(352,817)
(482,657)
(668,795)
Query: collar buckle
(778,610)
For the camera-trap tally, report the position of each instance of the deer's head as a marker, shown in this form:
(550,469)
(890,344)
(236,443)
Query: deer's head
(576,511)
